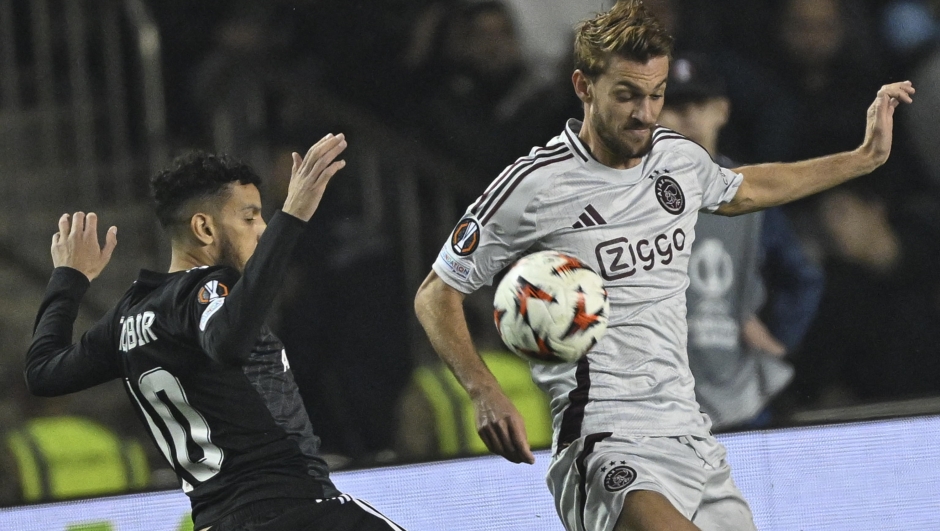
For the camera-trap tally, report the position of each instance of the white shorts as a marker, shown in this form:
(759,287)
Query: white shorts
(590,479)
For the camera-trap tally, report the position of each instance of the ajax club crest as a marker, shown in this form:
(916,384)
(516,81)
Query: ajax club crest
(670,195)
(619,478)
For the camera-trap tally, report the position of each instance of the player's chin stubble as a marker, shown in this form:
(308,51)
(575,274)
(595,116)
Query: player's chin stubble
(227,254)
(617,145)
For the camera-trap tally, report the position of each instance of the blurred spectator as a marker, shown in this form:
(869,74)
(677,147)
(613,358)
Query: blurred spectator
(481,103)
(921,126)
(62,457)
(737,362)
(255,87)
(343,314)
(876,336)
(359,43)
(829,64)
(248,88)
(761,128)
(186,30)
(794,282)
(52,454)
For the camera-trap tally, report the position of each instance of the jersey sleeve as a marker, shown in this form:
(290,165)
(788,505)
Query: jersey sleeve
(227,310)
(56,366)
(479,247)
(718,184)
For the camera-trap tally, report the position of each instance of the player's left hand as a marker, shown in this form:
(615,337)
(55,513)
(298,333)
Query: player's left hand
(501,427)
(310,175)
(880,126)
(76,244)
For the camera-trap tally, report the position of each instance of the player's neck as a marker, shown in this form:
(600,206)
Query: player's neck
(183,259)
(601,152)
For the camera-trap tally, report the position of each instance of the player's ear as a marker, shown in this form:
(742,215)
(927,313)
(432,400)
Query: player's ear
(583,86)
(202,228)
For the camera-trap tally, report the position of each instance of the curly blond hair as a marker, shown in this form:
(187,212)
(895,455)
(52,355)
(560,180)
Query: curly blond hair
(628,30)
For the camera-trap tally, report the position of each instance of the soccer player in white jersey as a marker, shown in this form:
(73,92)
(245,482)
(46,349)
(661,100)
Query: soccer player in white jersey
(631,449)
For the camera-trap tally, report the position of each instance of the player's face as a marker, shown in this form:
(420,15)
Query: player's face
(240,226)
(627,100)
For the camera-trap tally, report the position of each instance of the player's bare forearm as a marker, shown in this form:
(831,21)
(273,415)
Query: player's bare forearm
(767,185)
(439,308)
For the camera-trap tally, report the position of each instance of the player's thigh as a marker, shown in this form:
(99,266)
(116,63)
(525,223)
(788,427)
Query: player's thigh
(646,510)
(593,483)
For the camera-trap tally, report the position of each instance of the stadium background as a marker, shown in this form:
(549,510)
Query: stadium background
(96,95)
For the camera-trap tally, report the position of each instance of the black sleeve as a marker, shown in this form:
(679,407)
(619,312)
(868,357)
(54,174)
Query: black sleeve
(230,321)
(55,366)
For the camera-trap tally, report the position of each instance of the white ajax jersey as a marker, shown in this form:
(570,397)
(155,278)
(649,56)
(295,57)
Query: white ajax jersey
(635,227)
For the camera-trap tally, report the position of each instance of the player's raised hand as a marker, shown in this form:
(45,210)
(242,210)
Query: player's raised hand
(76,244)
(310,175)
(880,126)
(501,427)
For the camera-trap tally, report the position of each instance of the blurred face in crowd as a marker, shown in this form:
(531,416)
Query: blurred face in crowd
(812,31)
(238,226)
(490,43)
(622,105)
(699,120)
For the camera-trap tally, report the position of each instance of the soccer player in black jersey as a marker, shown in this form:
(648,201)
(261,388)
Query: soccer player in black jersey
(206,375)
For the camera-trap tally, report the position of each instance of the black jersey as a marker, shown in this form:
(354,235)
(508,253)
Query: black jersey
(208,378)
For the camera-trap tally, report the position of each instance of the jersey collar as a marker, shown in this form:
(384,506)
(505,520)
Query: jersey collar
(583,154)
(151,278)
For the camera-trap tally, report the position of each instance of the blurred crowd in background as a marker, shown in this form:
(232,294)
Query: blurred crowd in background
(454,91)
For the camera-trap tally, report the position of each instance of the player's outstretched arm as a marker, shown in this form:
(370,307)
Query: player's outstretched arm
(767,185)
(440,310)
(229,333)
(55,366)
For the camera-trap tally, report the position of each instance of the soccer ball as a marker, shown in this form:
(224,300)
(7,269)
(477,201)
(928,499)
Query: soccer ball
(551,308)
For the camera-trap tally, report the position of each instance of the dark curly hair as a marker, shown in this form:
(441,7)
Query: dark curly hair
(194,178)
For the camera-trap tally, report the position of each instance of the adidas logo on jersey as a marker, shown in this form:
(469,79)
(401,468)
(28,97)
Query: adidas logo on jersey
(589,218)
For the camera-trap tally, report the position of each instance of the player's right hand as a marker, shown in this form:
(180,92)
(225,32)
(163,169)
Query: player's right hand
(880,123)
(501,427)
(76,244)
(310,175)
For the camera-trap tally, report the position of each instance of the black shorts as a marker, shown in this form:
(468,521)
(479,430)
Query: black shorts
(342,513)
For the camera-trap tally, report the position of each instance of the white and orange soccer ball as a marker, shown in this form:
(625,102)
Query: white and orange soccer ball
(551,308)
